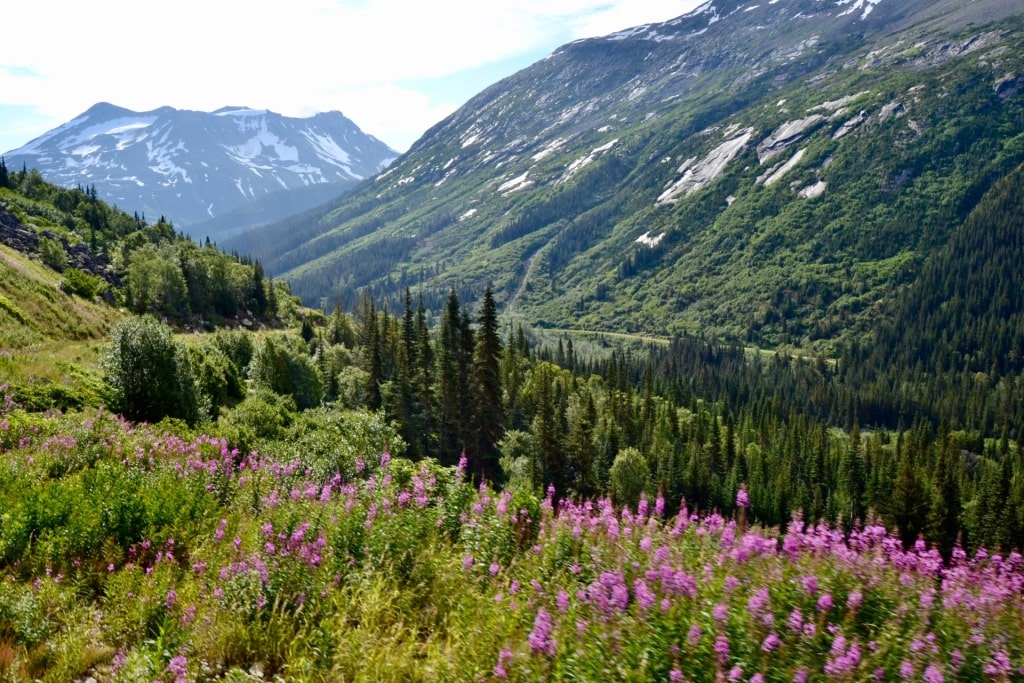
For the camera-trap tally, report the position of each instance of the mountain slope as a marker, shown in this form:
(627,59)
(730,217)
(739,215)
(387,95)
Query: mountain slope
(769,172)
(195,166)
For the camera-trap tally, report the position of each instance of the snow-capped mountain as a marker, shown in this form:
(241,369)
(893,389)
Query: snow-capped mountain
(193,166)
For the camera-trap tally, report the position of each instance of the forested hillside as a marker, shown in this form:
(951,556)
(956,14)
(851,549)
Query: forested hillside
(72,265)
(361,495)
(772,175)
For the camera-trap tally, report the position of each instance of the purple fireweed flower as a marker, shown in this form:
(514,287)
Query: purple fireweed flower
(562,601)
(172,597)
(933,674)
(757,678)
(504,657)
(178,667)
(644,597)
(735,673)
(771,642)
(722,648)
(467,562)
(906,670)
(854,599)
(759,601)
(540,639)
(825,603)
(494,569)
(999,666)
(694,634)
(675,676)
(742,497)
(720,612)
(801,675)
(810,584)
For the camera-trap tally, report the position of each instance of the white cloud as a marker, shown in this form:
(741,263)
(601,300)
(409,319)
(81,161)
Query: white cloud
(292,57)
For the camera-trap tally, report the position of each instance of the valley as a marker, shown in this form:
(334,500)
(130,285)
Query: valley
(694,352)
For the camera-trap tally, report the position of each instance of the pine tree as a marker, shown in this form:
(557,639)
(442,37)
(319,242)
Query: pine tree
(488,411)
(449,345)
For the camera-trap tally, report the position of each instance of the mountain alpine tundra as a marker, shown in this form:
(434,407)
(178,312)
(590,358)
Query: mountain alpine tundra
(198,167)
(771,171)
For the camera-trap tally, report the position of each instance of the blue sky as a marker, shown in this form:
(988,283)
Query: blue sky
(394,67)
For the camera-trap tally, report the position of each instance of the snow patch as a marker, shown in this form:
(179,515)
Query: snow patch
(330,151)
(649,240)
(550,149)
(85,150)
(254,147)
(866,5)
(517,183)
(582,162)
(469,214)
(242,111)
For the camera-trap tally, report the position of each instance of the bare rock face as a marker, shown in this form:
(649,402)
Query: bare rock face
(784,136)
(1008,86)
(18,237)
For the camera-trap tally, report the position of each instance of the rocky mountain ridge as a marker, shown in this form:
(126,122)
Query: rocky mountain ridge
(195,166)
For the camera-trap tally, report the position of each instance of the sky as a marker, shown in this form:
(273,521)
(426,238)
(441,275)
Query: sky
(395,67)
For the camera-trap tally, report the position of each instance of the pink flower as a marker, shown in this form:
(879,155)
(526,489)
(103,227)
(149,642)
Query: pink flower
(562,601)
(771,642)
(504,657)
(722,648)
(540,638)
(742,497)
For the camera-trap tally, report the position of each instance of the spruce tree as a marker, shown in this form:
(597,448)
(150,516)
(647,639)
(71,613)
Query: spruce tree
(487,408)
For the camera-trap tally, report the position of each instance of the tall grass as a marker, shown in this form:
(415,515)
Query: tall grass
(130,553)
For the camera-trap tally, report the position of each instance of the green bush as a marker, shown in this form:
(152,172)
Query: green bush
(283,365)
(149,373)
(629,477)
(83,284)
(52,253)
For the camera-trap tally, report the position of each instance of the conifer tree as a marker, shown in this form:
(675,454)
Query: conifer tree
(488,412)
(449,345)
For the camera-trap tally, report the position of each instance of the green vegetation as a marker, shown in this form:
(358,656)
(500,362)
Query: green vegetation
(799,455)
(904,152)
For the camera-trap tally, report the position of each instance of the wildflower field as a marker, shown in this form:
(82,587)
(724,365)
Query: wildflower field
(141,553)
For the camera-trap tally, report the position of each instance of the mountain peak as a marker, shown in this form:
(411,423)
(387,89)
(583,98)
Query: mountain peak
(194,166)
(241,111)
